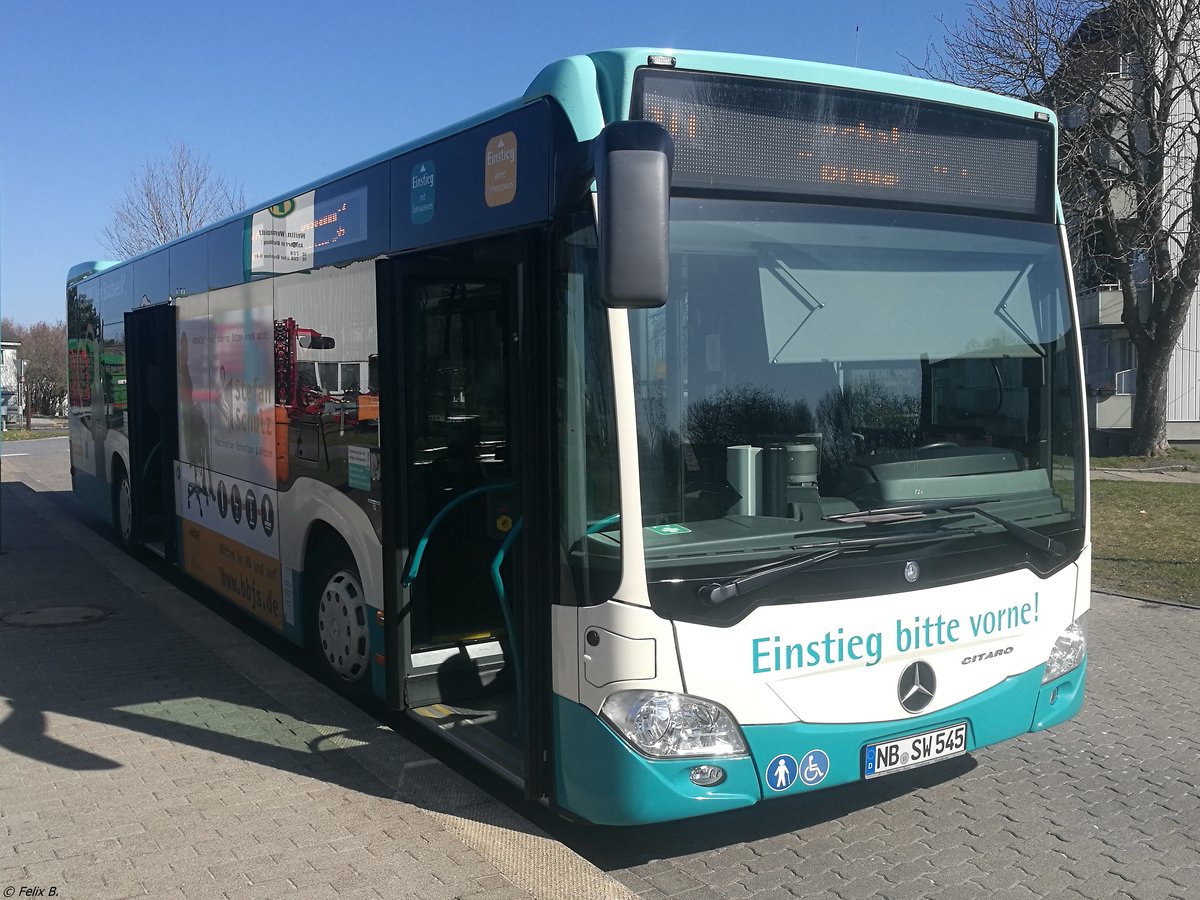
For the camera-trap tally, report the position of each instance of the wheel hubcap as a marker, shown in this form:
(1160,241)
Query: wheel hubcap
(342,625)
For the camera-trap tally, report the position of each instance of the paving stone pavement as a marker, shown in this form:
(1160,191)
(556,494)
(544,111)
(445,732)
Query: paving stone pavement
(1104,806)
(161,752)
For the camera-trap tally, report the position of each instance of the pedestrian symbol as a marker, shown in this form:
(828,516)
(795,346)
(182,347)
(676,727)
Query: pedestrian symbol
(815,767)
(781,772)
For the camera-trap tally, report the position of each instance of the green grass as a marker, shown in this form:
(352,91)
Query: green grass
(1173,457)
(22,434)
(1145,541)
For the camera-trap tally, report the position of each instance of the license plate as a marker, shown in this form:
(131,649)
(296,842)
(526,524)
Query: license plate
(915,750)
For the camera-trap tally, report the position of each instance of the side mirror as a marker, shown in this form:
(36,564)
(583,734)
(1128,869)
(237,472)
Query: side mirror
(311,340)
(632,162)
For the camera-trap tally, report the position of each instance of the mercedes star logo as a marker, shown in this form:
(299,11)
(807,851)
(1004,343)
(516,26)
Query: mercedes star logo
(916,687)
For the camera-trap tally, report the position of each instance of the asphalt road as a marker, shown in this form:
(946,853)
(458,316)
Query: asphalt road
(42,463)
(52,446)
(1107,805)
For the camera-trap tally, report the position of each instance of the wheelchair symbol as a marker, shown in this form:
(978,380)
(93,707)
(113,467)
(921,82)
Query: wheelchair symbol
(815,767)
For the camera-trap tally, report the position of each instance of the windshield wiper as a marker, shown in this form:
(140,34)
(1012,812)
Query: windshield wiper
(717,592)
(1026,536)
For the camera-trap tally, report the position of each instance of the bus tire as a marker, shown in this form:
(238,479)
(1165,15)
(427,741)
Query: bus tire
(339,623)
(122,506)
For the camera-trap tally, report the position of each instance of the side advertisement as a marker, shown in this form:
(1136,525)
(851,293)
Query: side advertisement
(282,237)
(287,236)
(227,382)
(229,541)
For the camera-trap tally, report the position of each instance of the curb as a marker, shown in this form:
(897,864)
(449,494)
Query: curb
(1157,602)
(1151,470)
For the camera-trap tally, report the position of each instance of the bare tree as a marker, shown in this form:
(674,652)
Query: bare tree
(43,345)
(168,198)
(1124,77)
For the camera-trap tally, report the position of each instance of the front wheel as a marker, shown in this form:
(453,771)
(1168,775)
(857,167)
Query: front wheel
(339,625)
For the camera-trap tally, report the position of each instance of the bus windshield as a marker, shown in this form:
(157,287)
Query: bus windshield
(815,361)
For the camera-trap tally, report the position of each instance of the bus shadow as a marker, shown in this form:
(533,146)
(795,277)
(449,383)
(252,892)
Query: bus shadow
(24,731)
(133,688)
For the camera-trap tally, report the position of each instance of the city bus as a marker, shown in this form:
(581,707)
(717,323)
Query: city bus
(695,431)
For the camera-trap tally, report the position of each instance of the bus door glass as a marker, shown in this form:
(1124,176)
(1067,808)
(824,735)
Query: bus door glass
(461,491)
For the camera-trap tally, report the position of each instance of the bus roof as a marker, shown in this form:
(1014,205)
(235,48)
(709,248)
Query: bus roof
(595,89)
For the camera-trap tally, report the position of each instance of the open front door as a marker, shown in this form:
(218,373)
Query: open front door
(461,487)
(153,424)
(459,563)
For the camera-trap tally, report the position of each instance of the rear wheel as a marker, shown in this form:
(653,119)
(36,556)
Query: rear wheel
(122,507)
(339,623)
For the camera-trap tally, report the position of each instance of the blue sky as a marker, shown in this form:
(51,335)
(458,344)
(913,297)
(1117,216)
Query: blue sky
(277,94)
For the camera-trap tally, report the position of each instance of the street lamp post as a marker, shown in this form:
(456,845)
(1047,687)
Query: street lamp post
(23,384)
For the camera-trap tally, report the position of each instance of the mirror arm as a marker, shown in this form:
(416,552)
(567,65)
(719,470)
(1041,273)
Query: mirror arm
(573,175)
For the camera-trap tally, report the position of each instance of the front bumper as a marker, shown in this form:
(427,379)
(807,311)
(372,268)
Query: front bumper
(601,779)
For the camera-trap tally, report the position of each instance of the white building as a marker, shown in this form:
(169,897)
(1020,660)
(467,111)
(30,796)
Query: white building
(9,378)
(1102,68)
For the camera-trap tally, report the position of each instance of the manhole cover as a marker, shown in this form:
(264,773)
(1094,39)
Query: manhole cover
(56,615)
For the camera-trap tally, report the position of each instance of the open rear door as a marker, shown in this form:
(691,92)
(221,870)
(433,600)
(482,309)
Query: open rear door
(153,424)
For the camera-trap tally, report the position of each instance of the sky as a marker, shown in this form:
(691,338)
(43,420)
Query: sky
(279,94)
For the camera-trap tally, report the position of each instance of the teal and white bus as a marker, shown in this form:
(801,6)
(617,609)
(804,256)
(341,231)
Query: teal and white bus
(694,431)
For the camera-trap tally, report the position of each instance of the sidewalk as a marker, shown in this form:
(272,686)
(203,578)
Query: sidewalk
(158,751)
(49,424)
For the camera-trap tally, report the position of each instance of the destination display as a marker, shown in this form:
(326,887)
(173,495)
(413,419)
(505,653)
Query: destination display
(734,133)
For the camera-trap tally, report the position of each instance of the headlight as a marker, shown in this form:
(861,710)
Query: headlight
(663,724)
(1068,650)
